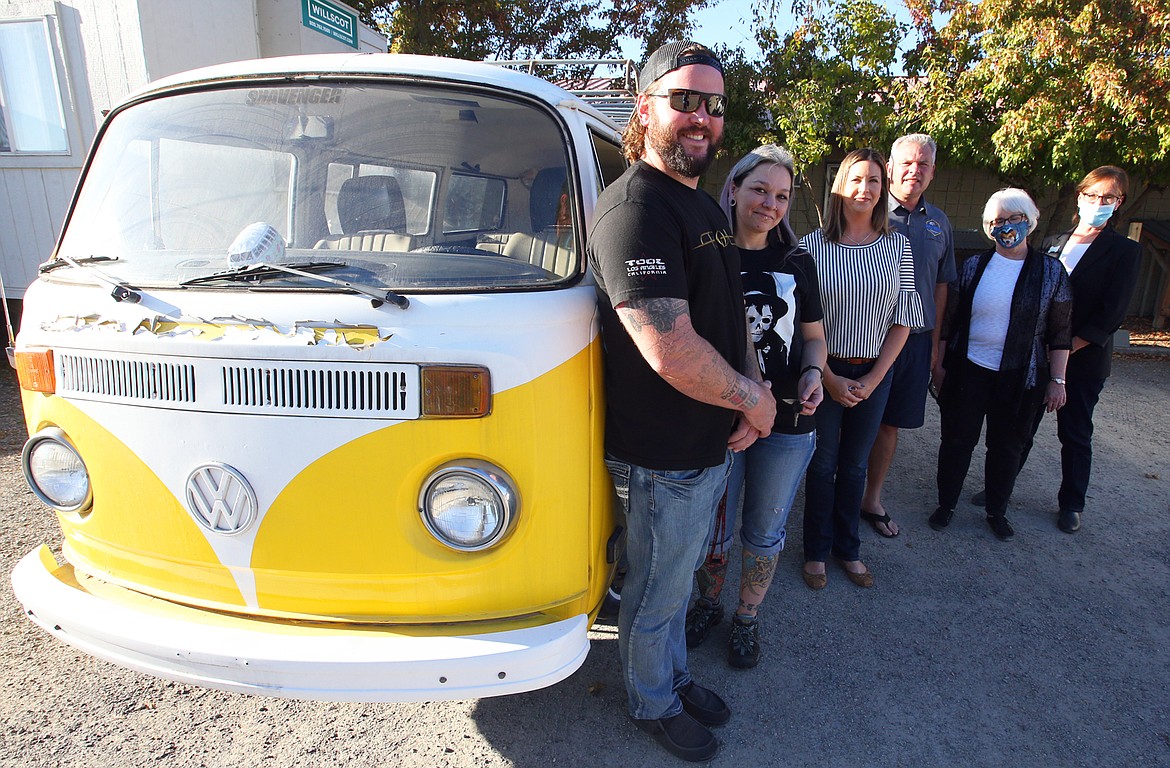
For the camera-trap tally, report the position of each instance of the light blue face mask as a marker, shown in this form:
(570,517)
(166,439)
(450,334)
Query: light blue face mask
(1095,215)
(1010,235)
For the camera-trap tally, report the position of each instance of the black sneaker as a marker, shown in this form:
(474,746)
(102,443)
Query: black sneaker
(702,616)
(940,518)
(704,704)
(1001,527)
(682,736)
(743,647)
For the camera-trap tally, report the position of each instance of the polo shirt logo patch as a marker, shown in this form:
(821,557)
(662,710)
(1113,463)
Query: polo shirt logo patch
(933,228)
(644,267)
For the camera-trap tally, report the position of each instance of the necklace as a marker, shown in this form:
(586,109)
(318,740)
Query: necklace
(868,237)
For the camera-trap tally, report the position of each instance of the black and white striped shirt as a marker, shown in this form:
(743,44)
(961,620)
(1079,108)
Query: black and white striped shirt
(865,289)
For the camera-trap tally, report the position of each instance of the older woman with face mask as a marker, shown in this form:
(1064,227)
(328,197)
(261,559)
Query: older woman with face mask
(1007,338)
(1102,265)
(783,305)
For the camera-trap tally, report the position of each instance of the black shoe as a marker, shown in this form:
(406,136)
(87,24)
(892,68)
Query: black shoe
(704,704)
(702,616)
(743,647)
(940,518)
(682,736)
(1068,521)
(1001,527)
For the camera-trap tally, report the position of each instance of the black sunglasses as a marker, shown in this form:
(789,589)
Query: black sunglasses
(683,100)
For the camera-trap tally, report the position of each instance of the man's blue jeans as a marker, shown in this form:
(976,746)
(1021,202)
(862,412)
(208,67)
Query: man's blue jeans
(773,466)
(669,517)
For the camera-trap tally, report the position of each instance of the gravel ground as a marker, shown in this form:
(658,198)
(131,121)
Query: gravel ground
(1049,650)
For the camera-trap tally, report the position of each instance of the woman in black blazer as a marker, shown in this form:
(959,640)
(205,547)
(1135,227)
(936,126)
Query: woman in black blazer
(1103,269)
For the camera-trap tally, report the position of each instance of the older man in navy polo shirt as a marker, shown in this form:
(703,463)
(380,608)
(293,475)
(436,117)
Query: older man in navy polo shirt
(911,169)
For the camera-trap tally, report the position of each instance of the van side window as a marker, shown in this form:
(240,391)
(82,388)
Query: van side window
(611,163)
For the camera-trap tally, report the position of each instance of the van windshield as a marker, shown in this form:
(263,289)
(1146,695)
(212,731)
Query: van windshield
(406,186)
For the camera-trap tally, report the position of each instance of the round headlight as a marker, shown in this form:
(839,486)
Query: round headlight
(469,505)
(55,472)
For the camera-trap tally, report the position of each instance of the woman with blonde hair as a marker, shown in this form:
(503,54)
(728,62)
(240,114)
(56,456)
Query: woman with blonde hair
(783,306)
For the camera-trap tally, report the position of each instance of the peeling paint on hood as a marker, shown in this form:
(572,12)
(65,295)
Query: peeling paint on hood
(233,329)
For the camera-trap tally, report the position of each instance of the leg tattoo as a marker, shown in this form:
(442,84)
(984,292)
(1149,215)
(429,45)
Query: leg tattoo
(755,577)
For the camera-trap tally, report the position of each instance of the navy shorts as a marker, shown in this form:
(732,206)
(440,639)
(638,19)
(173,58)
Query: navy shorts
(909,381)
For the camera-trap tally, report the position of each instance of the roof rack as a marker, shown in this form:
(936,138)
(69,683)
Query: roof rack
(608,85)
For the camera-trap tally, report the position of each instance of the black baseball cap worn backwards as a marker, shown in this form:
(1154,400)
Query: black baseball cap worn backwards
(674,56)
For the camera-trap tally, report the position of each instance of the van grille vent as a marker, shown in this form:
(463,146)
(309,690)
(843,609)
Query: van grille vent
(276,388)
(127,378)
(369,391)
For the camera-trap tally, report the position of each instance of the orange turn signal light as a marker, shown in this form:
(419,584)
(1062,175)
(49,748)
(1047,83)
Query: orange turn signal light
(456,391)
(34,371)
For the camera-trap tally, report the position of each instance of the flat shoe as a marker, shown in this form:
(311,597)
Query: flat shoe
(863,579)
(940,518)
(1000,527)
(704,705)
(1068,521)
(874,519)
(682,736)
(815,580)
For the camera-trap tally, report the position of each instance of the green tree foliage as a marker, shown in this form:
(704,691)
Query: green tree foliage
(1042,92)
(830,81)
(519,29)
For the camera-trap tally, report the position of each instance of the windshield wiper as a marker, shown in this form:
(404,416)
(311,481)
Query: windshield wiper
(261,270)
(122,291)
(62,261)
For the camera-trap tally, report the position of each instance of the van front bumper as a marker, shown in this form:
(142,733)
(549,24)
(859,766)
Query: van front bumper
(300,660)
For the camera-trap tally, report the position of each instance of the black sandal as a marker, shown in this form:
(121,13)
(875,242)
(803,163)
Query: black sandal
(874,519)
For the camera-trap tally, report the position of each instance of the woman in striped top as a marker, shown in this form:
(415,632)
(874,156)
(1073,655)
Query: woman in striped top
(867,288)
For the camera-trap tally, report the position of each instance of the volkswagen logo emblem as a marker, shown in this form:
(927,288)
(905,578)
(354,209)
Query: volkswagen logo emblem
(220,499)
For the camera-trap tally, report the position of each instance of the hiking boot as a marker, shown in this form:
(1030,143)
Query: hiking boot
(701,618)
(743,646)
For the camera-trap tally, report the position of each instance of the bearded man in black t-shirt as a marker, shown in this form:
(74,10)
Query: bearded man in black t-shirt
(680,388)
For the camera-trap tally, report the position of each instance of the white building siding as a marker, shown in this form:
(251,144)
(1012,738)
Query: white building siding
(179,34)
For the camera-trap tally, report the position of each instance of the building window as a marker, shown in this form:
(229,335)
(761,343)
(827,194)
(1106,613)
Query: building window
(31,117)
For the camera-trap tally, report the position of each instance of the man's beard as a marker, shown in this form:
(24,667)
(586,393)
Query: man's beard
(662,139)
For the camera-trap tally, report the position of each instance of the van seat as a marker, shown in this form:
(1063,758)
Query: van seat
(372,216)
(551,249)
(370,240)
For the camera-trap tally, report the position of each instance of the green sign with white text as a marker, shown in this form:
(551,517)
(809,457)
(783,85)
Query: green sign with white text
(330,20)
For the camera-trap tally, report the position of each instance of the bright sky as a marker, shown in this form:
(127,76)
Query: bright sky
(729,22)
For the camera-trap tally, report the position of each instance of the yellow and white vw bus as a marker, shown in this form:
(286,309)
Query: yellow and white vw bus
(312,382)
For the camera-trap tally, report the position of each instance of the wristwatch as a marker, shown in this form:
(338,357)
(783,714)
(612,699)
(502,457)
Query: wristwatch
(1058,381)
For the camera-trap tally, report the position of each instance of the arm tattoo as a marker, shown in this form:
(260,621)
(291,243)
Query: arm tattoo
(741,397)
(660,314)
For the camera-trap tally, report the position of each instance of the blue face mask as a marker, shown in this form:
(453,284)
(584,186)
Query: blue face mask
(1010,235)
(1095,215)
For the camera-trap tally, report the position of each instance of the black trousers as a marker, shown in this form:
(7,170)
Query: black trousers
(971,395)
(1074,427)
